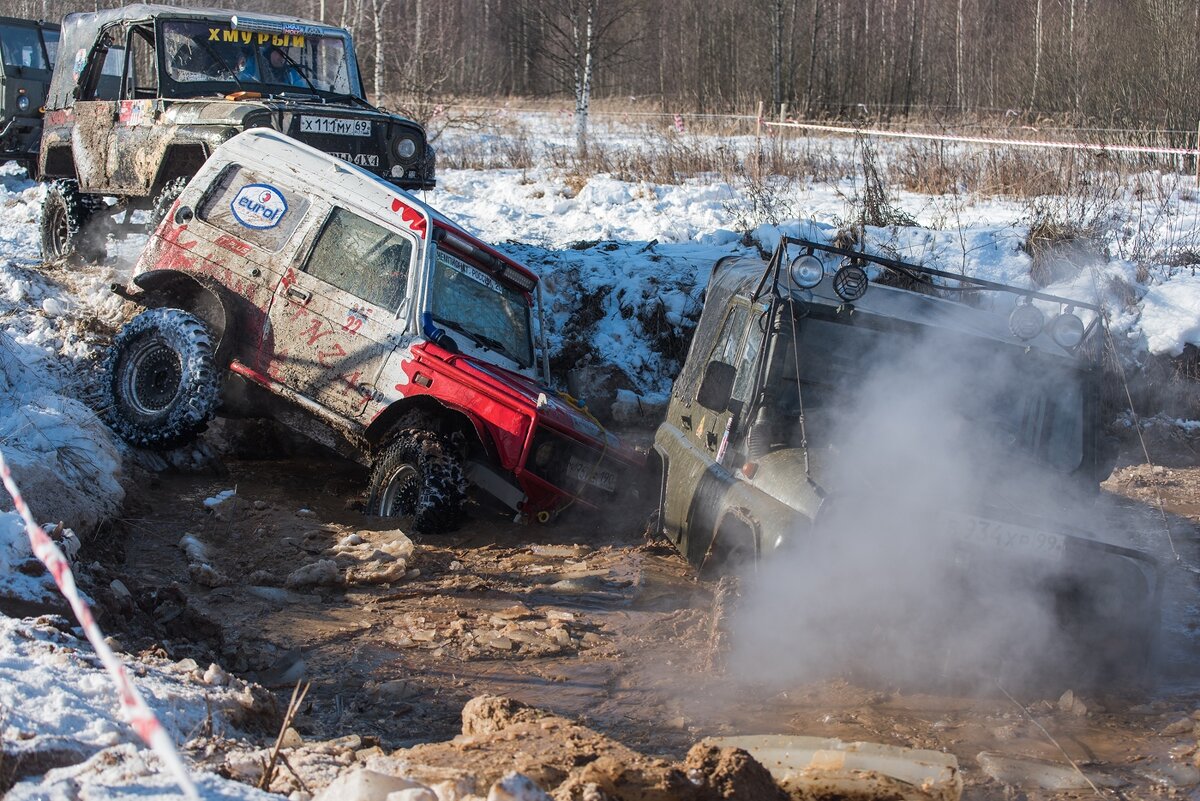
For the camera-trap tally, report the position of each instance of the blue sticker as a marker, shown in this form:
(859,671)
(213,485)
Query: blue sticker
(259,206)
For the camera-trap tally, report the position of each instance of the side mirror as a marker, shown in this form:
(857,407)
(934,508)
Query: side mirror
(717,386)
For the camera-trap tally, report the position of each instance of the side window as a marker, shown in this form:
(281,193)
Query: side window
(745,373)
(726,349)
(253,208)
(362,258)
(108,62)
(141,73)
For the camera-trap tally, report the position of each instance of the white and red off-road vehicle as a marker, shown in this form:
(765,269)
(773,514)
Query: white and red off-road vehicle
(286,282)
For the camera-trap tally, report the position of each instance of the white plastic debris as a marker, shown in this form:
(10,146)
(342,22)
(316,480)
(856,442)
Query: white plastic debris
(1038,773)
(853,770)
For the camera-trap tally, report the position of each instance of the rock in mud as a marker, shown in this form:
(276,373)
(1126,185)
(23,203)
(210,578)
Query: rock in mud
(367,785)
(1178,728)
(732,773)
(515,787)
(323,572)
(571,762)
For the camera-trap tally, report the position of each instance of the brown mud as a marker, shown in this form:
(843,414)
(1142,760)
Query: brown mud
(586,619)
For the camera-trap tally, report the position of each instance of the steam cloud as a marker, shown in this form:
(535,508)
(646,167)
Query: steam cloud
(886,588)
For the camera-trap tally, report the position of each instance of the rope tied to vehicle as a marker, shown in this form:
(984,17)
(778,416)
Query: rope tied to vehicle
(140,716)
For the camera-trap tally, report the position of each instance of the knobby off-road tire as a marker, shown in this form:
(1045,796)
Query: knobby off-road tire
(67,229)
(161,380)
(163,202)
(419,475)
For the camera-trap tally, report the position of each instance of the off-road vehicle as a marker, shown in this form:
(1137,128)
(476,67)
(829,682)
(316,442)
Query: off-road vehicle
(144,94)
(286,282)
(27,50)
(754,447)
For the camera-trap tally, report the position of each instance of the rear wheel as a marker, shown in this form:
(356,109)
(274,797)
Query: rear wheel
(163,202)
(418,475)
(162,383)
(68,230)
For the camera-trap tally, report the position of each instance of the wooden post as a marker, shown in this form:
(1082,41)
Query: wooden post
(783,112)
(758,121)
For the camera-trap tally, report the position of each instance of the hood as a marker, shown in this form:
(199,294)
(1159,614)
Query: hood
(551,407)
(234,112)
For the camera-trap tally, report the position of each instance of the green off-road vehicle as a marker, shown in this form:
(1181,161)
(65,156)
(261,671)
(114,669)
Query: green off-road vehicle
(764,453)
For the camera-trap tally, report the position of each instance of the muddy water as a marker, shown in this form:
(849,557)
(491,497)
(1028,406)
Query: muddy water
(584,618)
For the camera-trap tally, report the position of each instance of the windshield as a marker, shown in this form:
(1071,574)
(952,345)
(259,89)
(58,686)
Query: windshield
(1010,398)
(471,303)
(207,52)
(23,47)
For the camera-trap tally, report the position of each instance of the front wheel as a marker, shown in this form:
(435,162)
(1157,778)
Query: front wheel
(161,382)
(419,476)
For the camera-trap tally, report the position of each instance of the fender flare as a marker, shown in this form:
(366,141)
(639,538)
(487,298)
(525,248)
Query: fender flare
(206,299)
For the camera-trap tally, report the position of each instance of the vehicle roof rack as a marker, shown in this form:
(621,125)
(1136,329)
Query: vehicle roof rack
(914,271)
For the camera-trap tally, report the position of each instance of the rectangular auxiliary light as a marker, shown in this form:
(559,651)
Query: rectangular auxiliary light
(272,26)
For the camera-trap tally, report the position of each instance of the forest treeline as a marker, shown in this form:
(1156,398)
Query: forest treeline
(1106,63)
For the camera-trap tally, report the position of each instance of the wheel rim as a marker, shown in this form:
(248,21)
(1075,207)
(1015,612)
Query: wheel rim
(154,378)
(60,232)
(400,492)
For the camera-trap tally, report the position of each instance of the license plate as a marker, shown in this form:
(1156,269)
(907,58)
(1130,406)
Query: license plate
(334,125)
(597,476)
(1005,536)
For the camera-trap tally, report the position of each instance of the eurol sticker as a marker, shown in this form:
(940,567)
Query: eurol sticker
(259,206)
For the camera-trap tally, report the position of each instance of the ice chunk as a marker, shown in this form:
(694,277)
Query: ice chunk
(826,767)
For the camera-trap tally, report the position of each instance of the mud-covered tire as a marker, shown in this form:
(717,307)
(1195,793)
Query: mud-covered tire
(419,475)
(161,381)
(163,202)
(67,228)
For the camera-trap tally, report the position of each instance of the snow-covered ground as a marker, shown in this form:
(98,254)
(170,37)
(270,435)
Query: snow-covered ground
(640,251)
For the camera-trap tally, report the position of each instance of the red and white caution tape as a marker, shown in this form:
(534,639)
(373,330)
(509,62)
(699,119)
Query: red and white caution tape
(133,706)
(984,140)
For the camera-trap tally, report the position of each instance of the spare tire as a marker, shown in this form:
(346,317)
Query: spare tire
(161,382)
(419,475)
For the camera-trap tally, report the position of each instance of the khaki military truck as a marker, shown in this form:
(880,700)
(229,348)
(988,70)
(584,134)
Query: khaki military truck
(143,95)
(27,52)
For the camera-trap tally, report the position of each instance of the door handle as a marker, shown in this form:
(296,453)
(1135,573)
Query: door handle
(687,422)
(298,294)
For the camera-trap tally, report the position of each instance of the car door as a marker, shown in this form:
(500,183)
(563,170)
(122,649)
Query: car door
(337,313)
(137,140)
(96,110)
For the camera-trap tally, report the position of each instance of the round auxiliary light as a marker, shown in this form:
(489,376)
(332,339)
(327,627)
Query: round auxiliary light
(850,282)
(807,271)
(23,102)
(1067,329)
(1026,321)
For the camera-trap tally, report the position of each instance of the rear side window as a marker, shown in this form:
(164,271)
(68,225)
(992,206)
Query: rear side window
(362,258)
(253,208)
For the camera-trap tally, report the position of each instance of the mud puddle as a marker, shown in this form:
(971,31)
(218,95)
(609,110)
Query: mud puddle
(286,581)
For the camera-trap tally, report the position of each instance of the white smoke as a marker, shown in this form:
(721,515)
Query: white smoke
(886,589)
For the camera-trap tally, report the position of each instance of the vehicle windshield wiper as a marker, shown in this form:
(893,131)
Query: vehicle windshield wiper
(355,98)
(483,340)
(299,71)
(212,51)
